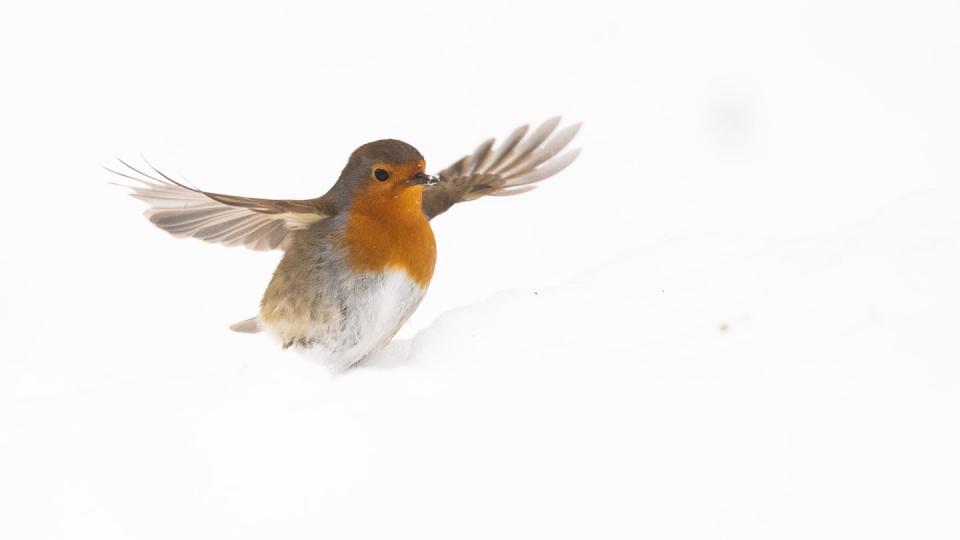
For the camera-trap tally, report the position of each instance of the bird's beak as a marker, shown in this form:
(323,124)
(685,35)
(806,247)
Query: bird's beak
(424,179)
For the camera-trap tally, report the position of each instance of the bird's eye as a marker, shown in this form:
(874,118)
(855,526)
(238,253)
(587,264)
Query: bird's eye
(381,175)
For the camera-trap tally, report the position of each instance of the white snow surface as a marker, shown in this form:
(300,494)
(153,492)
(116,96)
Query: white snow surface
(733,317)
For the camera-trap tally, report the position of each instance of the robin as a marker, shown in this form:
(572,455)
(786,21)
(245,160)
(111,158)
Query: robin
(357,261)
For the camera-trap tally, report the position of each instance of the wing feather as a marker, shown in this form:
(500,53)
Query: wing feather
(184,211)
(522,151)
(510,169)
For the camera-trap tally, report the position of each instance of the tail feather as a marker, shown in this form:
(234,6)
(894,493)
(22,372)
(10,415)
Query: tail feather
(247,326)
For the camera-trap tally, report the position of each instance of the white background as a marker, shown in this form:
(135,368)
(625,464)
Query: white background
(733,317)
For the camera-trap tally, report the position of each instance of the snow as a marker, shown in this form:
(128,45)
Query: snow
(733,317)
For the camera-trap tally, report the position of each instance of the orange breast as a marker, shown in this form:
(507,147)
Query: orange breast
(386,229)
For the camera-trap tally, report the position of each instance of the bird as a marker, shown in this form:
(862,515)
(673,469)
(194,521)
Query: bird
(357,260)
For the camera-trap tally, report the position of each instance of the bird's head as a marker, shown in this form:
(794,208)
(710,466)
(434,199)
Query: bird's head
(384,170)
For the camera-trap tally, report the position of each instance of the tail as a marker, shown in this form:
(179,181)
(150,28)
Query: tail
(247,326)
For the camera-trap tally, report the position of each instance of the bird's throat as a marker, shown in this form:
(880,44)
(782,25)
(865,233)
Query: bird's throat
(386,229)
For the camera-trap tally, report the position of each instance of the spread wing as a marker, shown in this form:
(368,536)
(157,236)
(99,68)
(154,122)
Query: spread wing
(520,161)
(184,211)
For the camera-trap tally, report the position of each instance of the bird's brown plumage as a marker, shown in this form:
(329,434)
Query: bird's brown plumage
(513,167)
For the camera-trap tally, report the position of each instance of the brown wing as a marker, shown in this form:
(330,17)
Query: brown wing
(520,161)
(234,221)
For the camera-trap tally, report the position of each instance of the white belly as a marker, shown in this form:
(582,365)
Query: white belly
(373,307)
